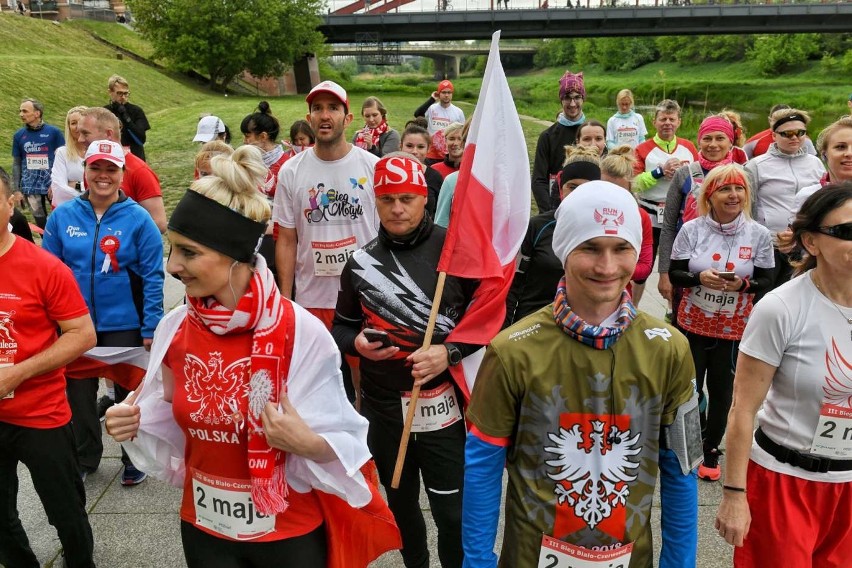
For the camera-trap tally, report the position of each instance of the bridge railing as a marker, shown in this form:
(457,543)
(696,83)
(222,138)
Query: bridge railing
(473,5)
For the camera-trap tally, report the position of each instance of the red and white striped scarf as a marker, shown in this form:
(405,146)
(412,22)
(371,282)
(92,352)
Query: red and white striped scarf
(270,318)
(374,133)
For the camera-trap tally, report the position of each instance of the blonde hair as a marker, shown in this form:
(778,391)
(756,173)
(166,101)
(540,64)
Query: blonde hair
(117,80)
(581,154)
(785,112)
(234,183)
(618,163)
(72,150)
(827,132)
(720,176)
(736,121)
(625,93)
(452,128)
(211,149)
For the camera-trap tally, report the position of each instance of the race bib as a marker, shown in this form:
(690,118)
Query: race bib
(661,212)
(557,554)
(833,436)
(436,409)
(224,506)
(6,363)
(714,301)
(330,257)
(38,162)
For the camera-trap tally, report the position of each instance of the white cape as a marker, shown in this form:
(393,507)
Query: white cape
(314,387)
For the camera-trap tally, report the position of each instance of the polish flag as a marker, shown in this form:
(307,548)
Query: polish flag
(123,365)
(489,215)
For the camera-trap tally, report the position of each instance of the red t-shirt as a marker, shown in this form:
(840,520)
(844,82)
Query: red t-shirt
(443,169)
(140,182)
(36,291)
(209,402)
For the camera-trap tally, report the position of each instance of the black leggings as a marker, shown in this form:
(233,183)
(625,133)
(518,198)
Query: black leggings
(717,358)
(439,457)
(203,550)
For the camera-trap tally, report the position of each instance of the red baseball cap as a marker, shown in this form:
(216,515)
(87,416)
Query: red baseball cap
(332,89)
(446,84)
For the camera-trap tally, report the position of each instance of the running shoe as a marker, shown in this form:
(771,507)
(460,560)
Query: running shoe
(103,403)
(710,469)
(132,476)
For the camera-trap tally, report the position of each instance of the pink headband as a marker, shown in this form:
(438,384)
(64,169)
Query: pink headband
(716,124)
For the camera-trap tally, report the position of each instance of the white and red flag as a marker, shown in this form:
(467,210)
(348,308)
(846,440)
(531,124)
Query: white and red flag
(123,365)
(490,213)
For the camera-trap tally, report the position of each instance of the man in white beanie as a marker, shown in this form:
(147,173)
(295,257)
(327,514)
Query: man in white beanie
(584,402)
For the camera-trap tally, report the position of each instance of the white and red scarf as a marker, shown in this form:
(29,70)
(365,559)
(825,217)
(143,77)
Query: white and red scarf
(271,320)
(373,133)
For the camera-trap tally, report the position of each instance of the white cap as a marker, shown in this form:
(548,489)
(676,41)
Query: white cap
(332,89)
(105,150)
(596,209)
(209,127)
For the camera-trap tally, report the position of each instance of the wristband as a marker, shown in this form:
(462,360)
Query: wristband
(734,489)
(657,172)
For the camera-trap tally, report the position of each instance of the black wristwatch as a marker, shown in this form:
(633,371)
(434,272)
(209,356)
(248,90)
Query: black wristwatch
(454,355)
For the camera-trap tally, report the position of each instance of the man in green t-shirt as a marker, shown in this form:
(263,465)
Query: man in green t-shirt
(585,401)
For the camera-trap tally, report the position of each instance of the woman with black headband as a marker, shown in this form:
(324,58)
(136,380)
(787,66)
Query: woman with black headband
(243,404)
(538,271)
(777,176)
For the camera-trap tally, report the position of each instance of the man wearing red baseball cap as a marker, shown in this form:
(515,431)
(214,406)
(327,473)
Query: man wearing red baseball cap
(440,112)
(386,292)
(324,207)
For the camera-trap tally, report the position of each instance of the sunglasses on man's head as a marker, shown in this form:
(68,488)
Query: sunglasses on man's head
(792,133)
(842,231)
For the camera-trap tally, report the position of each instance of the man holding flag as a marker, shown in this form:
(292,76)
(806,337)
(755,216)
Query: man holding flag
(382,312)
(584,402)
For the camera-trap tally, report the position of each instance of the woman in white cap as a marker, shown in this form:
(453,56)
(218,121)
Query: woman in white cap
(243,405)
(115,251)
(212,128)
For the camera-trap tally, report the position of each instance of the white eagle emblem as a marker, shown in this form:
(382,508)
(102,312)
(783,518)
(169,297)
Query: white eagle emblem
(838,383)
(7,326)
(213,386)
(593,481)
(610,219)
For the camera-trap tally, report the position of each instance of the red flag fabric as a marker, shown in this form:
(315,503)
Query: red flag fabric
(356,537)
(123,365)
(490,211)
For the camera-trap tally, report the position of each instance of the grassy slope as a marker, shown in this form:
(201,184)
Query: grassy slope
(63,66)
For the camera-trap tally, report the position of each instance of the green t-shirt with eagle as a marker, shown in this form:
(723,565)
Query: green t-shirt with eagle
(583,460)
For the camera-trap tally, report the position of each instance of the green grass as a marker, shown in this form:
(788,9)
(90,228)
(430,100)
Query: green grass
(63,66)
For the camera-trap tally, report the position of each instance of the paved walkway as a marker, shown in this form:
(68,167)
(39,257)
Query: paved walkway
(138,527)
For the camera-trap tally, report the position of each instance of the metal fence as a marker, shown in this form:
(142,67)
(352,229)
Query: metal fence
(94,10)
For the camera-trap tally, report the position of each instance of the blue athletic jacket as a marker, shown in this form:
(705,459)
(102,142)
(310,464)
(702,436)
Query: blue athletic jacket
(130,297)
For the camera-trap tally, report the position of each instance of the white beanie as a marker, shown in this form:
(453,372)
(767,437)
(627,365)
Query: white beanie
(596,209)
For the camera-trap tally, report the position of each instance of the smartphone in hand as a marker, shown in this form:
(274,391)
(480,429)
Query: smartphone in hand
(728,275)
(374,335)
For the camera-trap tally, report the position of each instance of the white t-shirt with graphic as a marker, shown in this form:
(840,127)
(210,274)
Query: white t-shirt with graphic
(738,247)
(332,206)
(798,330)
(630,130)
(439,118)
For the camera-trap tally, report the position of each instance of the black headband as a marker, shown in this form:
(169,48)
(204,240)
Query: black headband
(580,170)
(216,226)
(788,118)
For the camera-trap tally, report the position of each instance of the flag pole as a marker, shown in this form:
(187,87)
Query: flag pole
(415,392)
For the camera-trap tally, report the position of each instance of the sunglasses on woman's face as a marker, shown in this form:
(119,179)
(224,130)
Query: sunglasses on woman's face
(790,134)
(842,231)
